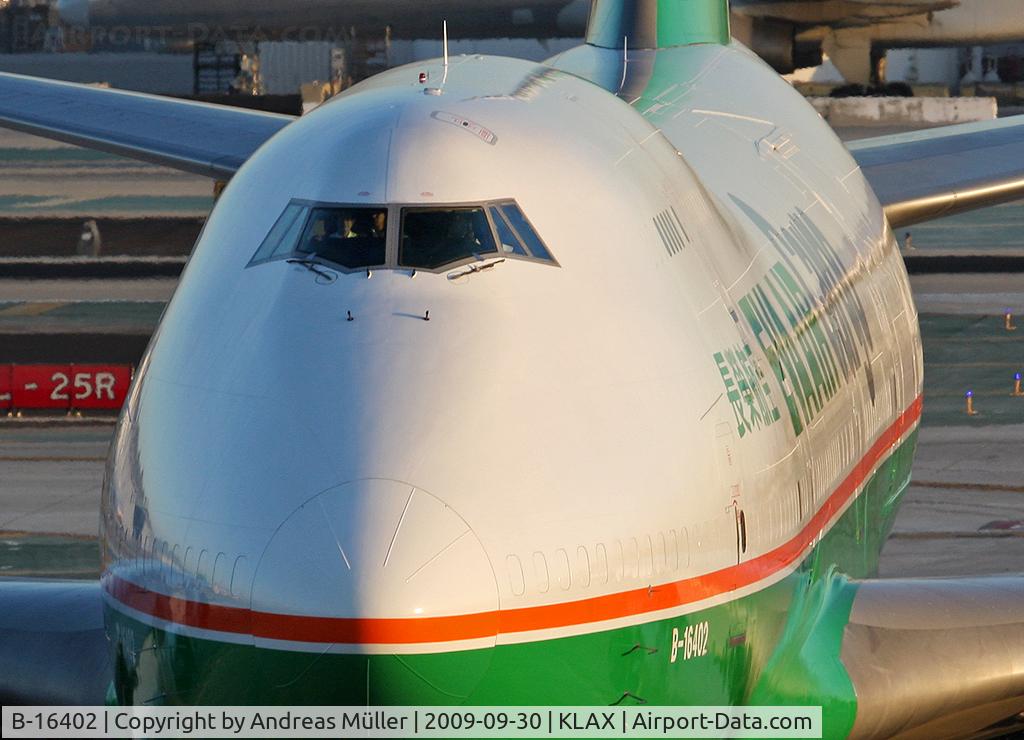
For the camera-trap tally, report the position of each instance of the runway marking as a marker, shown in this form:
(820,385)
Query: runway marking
(49,458)
(24,534)
(967,486)
(987,534)
(29,309)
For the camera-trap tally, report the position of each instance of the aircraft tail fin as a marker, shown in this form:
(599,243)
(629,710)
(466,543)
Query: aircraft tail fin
(657,24)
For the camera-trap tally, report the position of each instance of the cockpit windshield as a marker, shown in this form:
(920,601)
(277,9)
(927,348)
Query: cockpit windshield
(432,237)
(350,237)
(428,237)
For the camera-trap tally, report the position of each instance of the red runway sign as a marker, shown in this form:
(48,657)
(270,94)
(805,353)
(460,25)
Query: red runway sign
(64,387)
(5,387)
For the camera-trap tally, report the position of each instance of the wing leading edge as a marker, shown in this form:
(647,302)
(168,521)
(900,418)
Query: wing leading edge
(205,139)
(943,171)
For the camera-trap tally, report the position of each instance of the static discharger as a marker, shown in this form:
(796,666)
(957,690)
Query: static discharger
(1008,320)
(1016,385)
(970,403)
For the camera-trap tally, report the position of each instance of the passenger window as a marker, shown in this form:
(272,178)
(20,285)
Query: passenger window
(282,238)
(525,231)
(432,237)
(350,237)
(507,239)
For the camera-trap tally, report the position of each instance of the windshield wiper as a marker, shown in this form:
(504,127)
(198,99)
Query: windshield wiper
(473,269)
(481,268)
(312,266)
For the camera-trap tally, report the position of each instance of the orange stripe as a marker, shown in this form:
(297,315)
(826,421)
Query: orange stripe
(487,624)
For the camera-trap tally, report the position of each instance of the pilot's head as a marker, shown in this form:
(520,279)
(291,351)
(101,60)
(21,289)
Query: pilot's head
(460,227)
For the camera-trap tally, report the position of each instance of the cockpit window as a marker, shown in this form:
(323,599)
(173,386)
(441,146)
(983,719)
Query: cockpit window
(525,230)
(346,236)
(432,237)
(429,237)
(282,238)
(507,238)
(350,237)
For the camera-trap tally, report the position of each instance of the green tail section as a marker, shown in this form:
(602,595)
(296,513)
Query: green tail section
(657,24)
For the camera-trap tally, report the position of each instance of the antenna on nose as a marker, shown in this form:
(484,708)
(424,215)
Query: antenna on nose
(444,35)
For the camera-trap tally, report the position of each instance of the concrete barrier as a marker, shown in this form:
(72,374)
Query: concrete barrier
(901,111)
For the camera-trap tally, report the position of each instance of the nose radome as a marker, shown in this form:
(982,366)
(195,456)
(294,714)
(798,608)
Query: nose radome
(375,566)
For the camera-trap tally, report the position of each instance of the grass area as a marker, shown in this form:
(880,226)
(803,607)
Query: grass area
(106,313)
(975,353)
(33,205)
(49,556)
(987,229)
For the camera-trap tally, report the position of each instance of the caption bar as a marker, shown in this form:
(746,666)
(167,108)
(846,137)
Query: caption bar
(411,722)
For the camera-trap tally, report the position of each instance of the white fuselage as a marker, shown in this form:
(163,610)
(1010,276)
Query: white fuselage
(552,433)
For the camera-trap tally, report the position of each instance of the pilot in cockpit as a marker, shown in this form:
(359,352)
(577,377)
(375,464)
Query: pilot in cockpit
(379,225)
(348,226)
(461,233)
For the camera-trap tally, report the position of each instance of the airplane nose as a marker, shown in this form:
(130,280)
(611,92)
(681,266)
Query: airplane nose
(386,577)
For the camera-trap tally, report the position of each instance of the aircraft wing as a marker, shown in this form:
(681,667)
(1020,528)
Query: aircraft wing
(53,648)
(205,139)
(939,172)
(936,658)
(841,13)
(915,658)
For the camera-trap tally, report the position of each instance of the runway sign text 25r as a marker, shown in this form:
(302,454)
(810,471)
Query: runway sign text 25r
(64,386)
